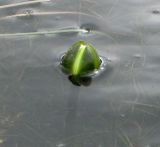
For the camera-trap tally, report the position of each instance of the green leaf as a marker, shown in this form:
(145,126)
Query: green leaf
(80,59)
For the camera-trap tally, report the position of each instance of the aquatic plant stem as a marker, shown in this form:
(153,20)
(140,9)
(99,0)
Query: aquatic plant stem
(43,32)
(54,32)
(46,13)
(22,4)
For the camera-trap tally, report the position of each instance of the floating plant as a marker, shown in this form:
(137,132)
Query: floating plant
(79,61)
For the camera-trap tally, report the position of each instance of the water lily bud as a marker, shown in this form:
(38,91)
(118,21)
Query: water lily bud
(80,59)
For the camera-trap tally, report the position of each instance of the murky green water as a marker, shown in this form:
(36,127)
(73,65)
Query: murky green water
(40,107)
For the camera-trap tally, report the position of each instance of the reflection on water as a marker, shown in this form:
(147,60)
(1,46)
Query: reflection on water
(70,121)
(40,107)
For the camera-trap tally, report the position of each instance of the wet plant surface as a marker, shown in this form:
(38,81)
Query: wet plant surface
(40,107)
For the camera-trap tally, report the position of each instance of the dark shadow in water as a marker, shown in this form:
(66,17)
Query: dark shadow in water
(89,27)
(78,81)
(157,12)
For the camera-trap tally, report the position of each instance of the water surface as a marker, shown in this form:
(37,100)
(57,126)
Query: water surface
(40,107)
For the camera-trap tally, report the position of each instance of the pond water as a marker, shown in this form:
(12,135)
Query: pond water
(40,107)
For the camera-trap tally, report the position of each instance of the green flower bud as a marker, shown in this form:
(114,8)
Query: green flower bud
(80,59)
